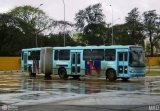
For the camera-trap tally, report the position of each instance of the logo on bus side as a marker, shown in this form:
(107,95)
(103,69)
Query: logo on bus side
(93,66)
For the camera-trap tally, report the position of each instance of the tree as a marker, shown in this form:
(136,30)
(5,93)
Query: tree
(90,15)
(60,25)
(152,28)
(35,18)
(10,35)
(157,34)
(135,27)
(90,22)
(121,36)
(94,34)
(57,40)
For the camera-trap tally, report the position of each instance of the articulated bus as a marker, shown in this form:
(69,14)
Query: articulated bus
(111,62)
(37,60)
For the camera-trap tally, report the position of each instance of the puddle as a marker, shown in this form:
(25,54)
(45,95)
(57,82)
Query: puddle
(18,87)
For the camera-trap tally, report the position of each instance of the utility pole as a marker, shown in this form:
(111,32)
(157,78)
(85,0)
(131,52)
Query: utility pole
(64,42)
(36,32)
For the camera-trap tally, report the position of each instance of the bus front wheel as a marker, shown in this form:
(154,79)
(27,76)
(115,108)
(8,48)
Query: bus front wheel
(111,75)
(62,73)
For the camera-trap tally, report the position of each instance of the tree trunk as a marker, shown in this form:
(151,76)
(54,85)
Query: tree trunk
(152,50)
(151,44)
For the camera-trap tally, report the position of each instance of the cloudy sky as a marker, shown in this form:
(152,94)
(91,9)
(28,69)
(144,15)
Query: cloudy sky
(54,8)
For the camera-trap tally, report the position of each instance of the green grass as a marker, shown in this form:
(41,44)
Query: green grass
(153,73)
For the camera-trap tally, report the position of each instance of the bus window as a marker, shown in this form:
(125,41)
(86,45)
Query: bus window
(125,54)
(64,54)
(86,54)
(37,55)
(34,55)
(110,54)
(30,56)
(97,54)
(56,55)
(120,57)
(79,58)
(137,58)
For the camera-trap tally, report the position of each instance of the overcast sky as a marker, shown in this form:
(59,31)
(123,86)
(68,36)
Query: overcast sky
(54,8)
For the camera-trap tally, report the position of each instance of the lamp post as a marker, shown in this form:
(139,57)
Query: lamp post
(64,25)
(112,24)
(36,31)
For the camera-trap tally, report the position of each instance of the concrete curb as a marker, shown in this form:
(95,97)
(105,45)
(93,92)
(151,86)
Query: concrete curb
(11,71)
(153,67)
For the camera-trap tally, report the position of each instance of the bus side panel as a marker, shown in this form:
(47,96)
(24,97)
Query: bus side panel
(24,61)
(83,69)
(54,69)
(46,60)
(106,65)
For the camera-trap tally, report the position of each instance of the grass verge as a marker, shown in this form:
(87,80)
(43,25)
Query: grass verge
(153,73)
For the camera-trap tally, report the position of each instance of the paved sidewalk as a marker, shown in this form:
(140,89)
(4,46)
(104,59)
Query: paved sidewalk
(100,102)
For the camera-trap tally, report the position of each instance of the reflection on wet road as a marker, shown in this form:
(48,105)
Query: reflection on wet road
(19,89)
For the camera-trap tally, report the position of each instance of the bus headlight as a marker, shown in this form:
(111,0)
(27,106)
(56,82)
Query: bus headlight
(132,71)
(125,69)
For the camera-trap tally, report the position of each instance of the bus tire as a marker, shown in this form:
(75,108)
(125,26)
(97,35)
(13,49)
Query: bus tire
(111,75)
(125,79)
(76,76)
(31,74)
(48,77)
(30,70)
(62,73)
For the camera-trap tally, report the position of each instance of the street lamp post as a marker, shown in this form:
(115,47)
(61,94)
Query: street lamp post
(36,40)
(64,25)
(112,25)
(36,31)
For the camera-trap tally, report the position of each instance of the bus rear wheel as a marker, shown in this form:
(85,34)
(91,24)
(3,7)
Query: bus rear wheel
(31,74)
(47,76)
(62,73)
(111,75)
(125,79)
(76,76)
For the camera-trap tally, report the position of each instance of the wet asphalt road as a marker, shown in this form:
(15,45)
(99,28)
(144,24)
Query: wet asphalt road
(19,89)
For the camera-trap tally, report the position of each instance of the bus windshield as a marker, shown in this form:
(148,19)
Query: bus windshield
(137,57)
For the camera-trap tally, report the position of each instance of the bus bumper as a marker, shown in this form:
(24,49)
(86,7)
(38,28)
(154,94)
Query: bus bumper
(137,74)
(133,73)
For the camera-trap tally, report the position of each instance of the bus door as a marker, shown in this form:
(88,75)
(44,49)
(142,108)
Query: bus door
(75,63)
(25,58)
(123,63)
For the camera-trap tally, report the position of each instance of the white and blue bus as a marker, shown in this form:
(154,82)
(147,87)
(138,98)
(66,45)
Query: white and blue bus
(111,62)
(37,60)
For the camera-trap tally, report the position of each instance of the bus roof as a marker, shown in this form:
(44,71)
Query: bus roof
(33,49)
(86,47)
(98,47)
